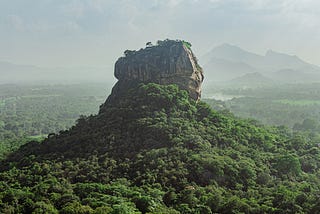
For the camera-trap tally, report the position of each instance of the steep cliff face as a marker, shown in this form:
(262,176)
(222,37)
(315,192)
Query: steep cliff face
(169,62)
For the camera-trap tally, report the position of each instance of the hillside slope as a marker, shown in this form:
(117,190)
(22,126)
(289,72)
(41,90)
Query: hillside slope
(156,150)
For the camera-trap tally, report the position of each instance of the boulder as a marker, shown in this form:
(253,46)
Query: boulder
(168,62)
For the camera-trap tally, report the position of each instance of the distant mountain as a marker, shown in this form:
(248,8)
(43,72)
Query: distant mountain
(152,148)
(15,73)
(225,69)
(231,53)
(227,62)
(251,79)
(276,61)
(295,76)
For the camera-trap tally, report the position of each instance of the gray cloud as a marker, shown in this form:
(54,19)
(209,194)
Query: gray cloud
(95,32)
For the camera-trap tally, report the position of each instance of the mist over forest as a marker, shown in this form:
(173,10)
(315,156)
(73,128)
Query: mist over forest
(170,106)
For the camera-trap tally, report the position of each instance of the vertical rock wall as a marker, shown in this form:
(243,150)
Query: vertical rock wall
(169,62)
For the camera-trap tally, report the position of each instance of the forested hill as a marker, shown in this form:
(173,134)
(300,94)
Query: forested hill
(156,150)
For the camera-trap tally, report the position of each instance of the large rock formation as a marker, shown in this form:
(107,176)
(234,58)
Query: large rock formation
(168,62)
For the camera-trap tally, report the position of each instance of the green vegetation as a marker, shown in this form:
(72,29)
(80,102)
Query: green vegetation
(286,105)
(187,44)
(30,111)
(299,102)
(2,103)
(157,151)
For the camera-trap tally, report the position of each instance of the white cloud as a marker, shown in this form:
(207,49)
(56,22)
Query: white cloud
(174,3)
(74,9)
(278,24)
(16,22)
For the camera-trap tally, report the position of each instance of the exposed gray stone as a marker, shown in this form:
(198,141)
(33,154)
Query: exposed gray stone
(169,62)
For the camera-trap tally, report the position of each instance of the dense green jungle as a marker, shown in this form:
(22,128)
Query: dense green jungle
(160,107)
(158,151)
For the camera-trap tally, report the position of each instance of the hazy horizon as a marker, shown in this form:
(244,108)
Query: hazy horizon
(95,33)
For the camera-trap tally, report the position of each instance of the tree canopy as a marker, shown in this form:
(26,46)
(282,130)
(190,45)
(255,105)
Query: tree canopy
(155,150)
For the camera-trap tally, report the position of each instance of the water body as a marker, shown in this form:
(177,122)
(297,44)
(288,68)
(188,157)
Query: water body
(223,97)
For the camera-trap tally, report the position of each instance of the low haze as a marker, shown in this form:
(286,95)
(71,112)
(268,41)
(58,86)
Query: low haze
(159,106)
(95,33)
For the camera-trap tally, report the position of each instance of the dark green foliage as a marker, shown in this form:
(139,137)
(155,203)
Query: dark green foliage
(187,44)
(157,151)
(288,164)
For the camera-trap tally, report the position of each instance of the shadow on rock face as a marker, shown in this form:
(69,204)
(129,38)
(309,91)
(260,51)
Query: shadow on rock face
(168,62)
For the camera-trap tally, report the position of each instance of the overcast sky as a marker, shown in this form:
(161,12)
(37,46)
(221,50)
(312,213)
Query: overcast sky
(96,32)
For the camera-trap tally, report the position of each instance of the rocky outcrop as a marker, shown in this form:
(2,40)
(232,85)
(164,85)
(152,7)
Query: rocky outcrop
(168,62)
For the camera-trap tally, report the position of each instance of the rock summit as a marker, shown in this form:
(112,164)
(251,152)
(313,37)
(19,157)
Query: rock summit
(168,62)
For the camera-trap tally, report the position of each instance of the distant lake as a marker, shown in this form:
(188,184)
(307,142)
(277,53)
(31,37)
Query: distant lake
(223,97)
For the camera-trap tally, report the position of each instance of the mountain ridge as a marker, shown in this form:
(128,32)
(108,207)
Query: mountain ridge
(155,149)
(268,64)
